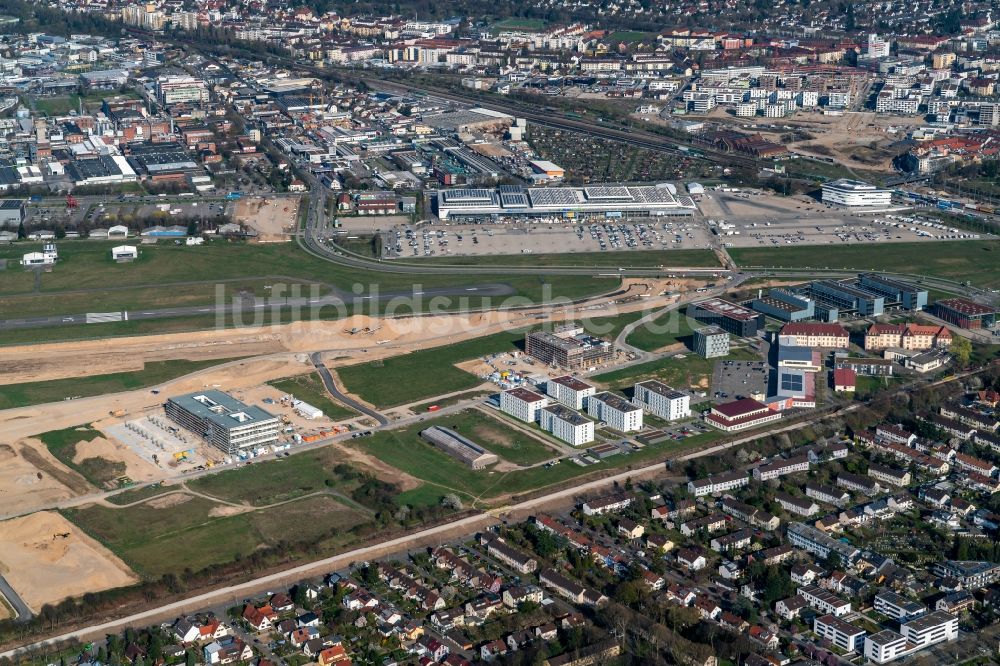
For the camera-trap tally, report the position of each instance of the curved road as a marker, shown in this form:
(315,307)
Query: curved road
(406,542)
(340,396)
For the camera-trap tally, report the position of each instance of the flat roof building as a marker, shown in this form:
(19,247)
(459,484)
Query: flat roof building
(522,403)
(730,317)
(568,347)
(570,426)
(784,305)
(711,342)
(662,401)
(965,313)
(616,411)
(570,391)
(846,192)
(595,200)
(224,421)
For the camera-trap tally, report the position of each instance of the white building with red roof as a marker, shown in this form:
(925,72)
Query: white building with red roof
(814,334)
(741,414)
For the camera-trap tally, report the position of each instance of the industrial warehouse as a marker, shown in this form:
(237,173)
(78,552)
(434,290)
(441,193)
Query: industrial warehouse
(458,447)
(603,201)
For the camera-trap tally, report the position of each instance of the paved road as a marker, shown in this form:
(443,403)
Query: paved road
(331,386)
(14,599)
(400,544)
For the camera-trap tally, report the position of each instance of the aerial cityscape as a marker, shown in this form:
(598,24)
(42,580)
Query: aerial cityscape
(533,333)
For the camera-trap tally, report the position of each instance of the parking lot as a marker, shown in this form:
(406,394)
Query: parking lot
(751,219)
(732,380)
(538,238)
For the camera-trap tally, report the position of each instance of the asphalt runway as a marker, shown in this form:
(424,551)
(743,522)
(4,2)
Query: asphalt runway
(333,300)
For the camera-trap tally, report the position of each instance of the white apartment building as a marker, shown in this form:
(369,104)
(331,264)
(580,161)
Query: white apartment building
(839,632)
(781,468)
(570,391)
(885,646)
(662,401)
(824,601)
(571,427)
(932,628)
(718,483)
(616,411)
(897,606)
(522,403)
(846,192)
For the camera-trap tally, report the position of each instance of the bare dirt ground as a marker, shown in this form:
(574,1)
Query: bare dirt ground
(23,363)
(403,335)
(136,468)
(273,219)
(46,559)
(23,484)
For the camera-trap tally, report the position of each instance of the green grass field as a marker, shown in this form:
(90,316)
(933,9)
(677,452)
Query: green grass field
(154,372)
(171,537)
(691,371)
(635,259)
(976,261)
(138,494)
(86,269)
(447,402)
(423,374)
(519,23)
(271,481)
(442,474)
(496,436)
(309,387)
(631,36)
(55,106)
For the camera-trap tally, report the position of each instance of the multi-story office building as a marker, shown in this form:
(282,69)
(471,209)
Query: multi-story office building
(224,421)
(711,342)
(172,90)
(846,192)
(568,347)
(730,317)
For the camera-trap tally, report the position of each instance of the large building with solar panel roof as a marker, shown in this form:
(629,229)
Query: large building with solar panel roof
(604,201)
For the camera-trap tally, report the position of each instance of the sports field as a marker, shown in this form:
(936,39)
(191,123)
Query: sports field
(424,374)
(975,261)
